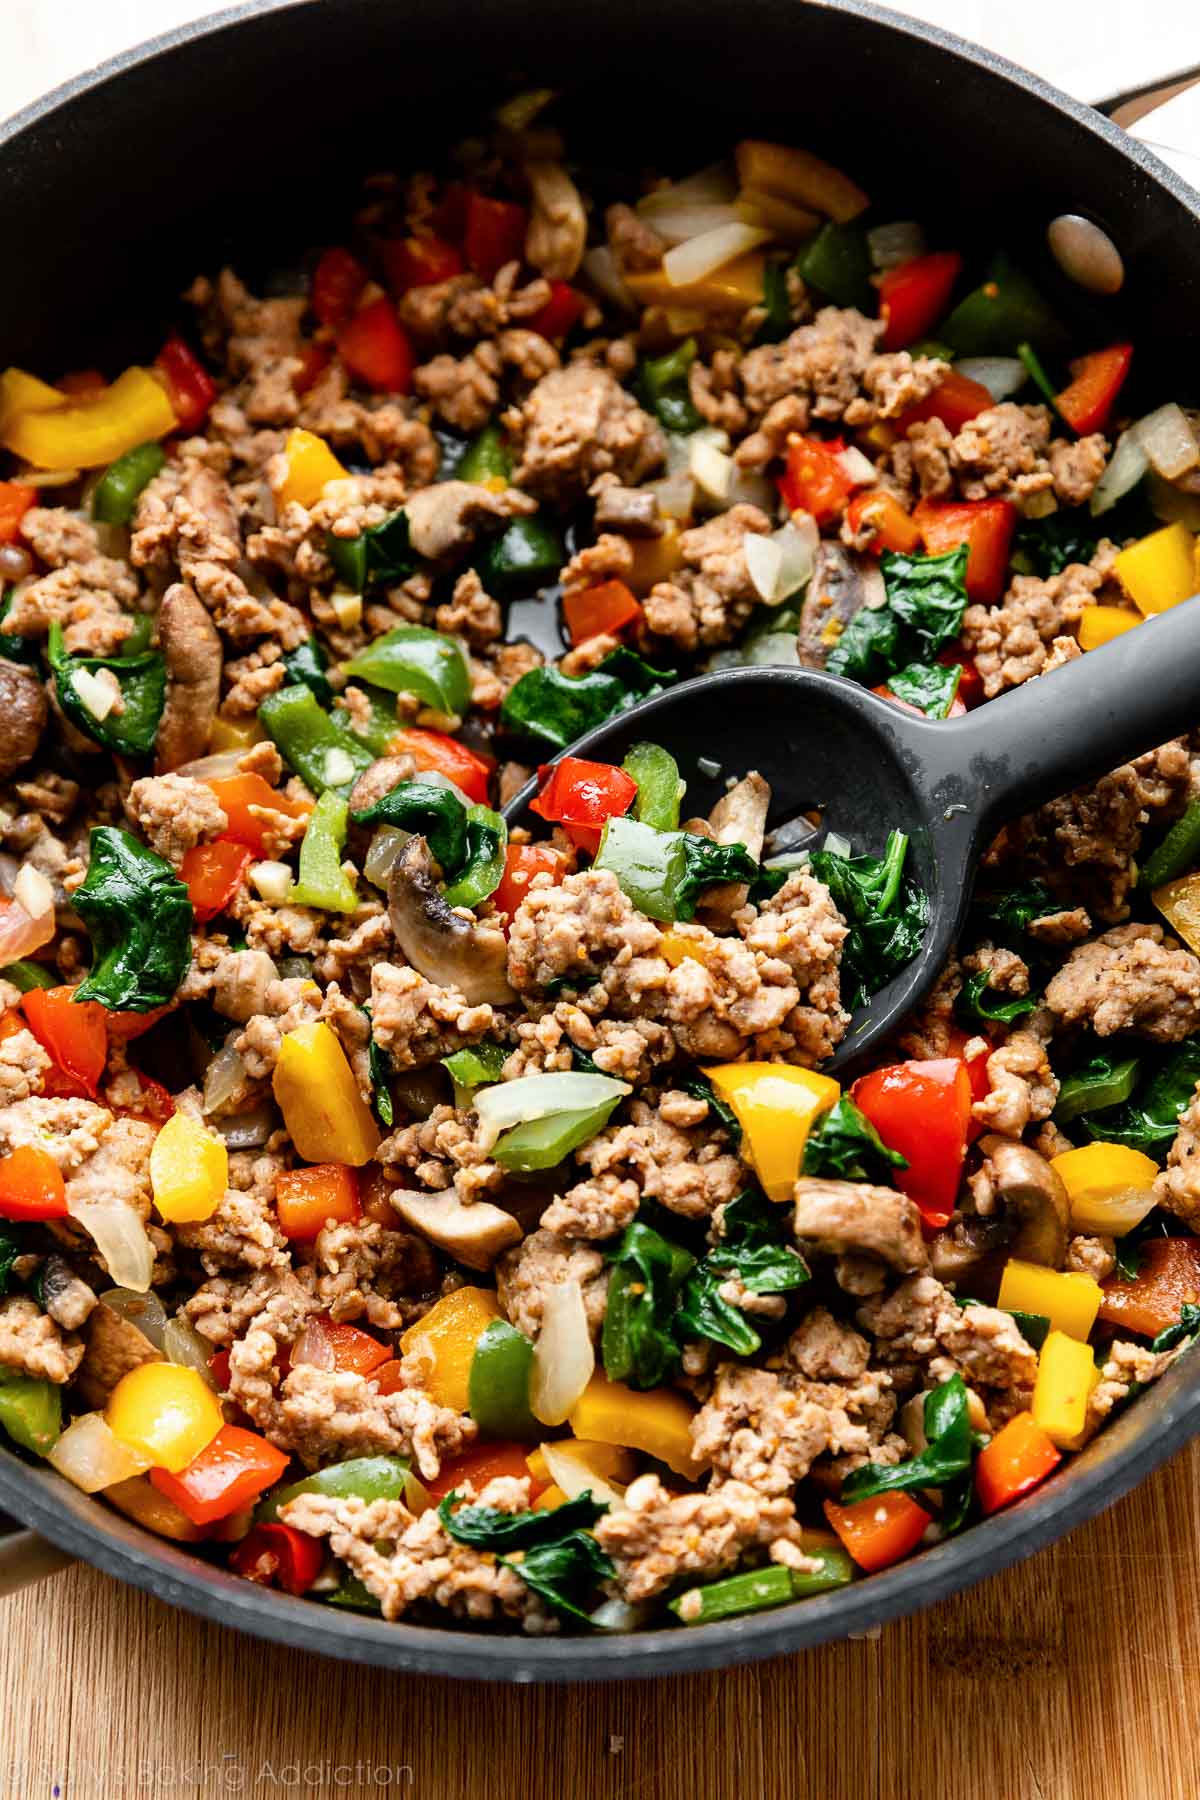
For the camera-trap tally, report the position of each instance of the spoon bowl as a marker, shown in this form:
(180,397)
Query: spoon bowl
(868,766)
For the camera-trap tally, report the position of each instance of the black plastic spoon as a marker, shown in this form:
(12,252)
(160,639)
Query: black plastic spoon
(869,766)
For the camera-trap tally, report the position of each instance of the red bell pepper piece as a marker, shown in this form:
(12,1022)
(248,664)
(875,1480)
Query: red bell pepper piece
(155,1104)
(386,1378)
(448,219)
(212,874)
(247,802)
(816,481)
(306,1198)
(914,296)
(976,1067)
(580,796)
(218,1368)
(190,388)
(1167,1280)
(1099,378)
(81,382)
(970,682)
(882,513)
(314,360)
(880,1531)
(375,347)
(922,1109)
(494,233)
(434,751)
(278,1556)
(985,526)
(607,607)
(486,1462)
(563,309)
(125,1026)
(31,1185)
(956,400)
(74,1034)
(1017,1459)
(419,261)
(521,863)
(337,282)
(16,498)
(331,1344)
(229,1473)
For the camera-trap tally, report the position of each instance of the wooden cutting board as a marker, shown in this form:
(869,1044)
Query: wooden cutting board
(1072,1677)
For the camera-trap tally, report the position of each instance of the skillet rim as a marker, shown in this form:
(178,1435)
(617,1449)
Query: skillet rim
(1134,1445)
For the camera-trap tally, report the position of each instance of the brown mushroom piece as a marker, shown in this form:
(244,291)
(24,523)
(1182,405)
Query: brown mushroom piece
(739,817)
(24,709)
(191,647)
(112,1348)
(445,519)
(445,946)
(558,227)
(842,581)
(64,1295)
(473,1235)
(1028,1217)
(843,1218)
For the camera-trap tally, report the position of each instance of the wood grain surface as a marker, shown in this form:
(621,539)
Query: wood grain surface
(1072,1677)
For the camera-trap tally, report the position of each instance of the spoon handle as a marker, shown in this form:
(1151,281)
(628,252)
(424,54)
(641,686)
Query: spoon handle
(1073,725)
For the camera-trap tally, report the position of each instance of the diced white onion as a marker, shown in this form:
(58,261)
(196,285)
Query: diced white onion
(708,766)
(764,559)
(532,1097)
(572,1475)
(21,933)
(799,538)
(47,478)
(836,844)
(711,470)
(146,1311)
(599,268)
(119,1236)
(750,489)
(618,1615)
(895,243)
(386,845)
(99,696)
(1169,441)
(791,859)
(676,224)
(183,1346)
(91,1458)
(339,768)
(347,606)
(716,185)
(1126,467)
(1171,504)
(314,1347)
(248,1130)
(1002,376)
(1113,1215)
(213,768)
(272,881)
(700,256)
(224,1079)
(675,494)
(856,467)
(435,778)
(32,891)
(563,1357)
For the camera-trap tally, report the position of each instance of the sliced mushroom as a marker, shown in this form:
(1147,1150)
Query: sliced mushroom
(842,581)
(240,983)
(68,1299)
(631,511)
(113,1347)
(442,944)
(739,817)
(1035,1200)
(557,235)
(191,647)
(24,709)
(444,520)
(473,1235)
(972,1251)
(853,1218)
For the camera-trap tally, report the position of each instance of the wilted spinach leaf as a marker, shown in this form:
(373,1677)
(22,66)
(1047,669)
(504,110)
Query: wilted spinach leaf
(560,708)
(142,680)
(979,1003)
(844,1146)
(648,1271)
(885,910)
(752,1250)
(139,917)
(945,1462)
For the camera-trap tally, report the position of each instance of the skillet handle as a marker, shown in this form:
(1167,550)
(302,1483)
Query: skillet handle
(25,1557)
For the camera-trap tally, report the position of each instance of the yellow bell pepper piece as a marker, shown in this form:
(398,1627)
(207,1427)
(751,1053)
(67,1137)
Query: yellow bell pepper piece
(1066,1375)
(549,1498)
(189,1171)
(1101,624)
(141,1501)
(776,1106)
(1069,1300)
(234,734)
(451,1329)
(1179,903)
(22,392)
(167,1412)
(310,464)
(1160,570)
(609,1461)
(95,429)
(657,1422)
(655,559)
(731,288)
(537,1465)
(801,177)
(1110,1186)
(326,1116)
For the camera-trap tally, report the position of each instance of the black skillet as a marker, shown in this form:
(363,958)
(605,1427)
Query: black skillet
(238,136)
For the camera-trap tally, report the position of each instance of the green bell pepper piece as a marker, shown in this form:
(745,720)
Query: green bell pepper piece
(349,558)
(1033,1327)
(837,262)
(1003,311)
(477,1067)
(306,737)
(1037,374)
(759,1589)
(647,863)
(544,1143)
(139,638)
(118,488)
(1098,1084)
(933,347)
(142,680)
(1178,852)
(323,882)
(528,555)
(351,1593)
(30,1411)
(486,458)
(378,730)
(376,557)
(414,660)
(660,788)
(307,664)
(778,323)
(662,387)
(12,647)
(487,842)
(362,1478)
(28,975)
(498,1383)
